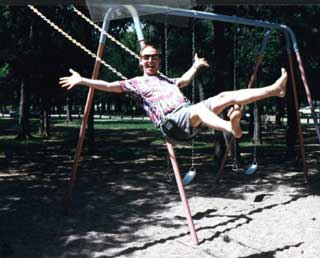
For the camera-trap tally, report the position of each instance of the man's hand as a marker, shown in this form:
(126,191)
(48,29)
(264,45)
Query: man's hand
(199,62)
(70,81)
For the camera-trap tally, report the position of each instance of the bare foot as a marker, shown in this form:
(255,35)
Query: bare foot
(281,84)
(235,116)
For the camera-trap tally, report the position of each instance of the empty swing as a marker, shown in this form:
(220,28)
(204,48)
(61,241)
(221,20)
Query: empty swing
(192,172)
(252,168)
(235,166)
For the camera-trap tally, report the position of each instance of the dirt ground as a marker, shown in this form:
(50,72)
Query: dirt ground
(125,204)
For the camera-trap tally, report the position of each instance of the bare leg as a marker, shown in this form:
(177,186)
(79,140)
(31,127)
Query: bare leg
(247,96)
(201,114)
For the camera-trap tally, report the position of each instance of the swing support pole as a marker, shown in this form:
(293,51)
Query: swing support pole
(182,193)
(86,114)
(296,105)
(290,35)
(83,128)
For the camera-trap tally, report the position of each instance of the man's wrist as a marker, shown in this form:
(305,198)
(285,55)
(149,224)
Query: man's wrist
(196,67)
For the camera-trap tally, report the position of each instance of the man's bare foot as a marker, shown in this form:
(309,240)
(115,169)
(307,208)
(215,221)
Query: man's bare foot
(234,115)
(281,84)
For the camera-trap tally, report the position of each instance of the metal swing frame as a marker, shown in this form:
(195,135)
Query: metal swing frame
(291,46)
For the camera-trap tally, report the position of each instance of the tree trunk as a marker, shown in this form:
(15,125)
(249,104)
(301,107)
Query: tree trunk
(257,124)
(90,131)
(118,104)
(109,107)
(219,70)
(26,65)
(280,111)
(69,108)
(103,106)
(44,129)
(24,130)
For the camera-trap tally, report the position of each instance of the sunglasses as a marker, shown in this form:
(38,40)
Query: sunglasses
(153,57)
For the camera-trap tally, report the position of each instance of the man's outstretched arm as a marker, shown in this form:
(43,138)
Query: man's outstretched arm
(187,77)
(76,79)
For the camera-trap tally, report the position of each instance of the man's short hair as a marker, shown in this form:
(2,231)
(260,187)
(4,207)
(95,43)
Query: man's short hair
(150,45)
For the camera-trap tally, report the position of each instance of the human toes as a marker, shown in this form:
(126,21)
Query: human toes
(230,112)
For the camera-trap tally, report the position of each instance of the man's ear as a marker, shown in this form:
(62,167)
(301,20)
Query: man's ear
(140,65)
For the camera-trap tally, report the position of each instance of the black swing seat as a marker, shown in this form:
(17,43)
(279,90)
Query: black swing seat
(173,133)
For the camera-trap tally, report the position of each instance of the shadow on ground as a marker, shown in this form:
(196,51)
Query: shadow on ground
(122,189)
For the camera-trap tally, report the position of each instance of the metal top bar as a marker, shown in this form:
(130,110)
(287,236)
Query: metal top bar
(225,18)
(213,16)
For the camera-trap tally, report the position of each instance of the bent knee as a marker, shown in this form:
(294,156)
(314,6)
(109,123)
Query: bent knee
(220,101)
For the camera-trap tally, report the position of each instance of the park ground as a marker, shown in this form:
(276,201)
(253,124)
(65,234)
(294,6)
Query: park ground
(125,202)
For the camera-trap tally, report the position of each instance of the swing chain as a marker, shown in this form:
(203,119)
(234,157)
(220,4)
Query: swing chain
(166,47)
(255,136)
(75,42)
(235,167)
(193,87)
(168,170)
(113,39)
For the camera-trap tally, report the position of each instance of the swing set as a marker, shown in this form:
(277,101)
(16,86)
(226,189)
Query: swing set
(253,167)
(112,10)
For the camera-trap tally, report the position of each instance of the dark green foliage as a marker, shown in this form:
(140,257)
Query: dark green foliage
(31,49)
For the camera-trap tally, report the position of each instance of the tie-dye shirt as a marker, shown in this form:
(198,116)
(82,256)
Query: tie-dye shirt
(159,95)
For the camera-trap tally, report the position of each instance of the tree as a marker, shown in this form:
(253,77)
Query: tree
(220,68)
(25,65)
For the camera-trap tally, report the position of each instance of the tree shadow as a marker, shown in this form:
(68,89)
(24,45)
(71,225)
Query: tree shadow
(235,220)
(272,254)
(120,190)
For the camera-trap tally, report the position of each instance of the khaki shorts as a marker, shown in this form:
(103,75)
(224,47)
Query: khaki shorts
(182,118)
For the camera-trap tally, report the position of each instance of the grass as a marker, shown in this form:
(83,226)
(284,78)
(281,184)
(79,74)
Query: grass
(65,134)
(108,124)
(61,131)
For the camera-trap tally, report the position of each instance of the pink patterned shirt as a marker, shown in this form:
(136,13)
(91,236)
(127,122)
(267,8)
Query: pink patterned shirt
(159,95)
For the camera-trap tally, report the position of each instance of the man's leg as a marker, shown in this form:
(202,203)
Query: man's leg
(200,114)
(209,116)
(246,96)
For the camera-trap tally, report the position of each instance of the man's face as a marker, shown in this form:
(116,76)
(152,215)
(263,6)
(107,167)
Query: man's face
(150,61)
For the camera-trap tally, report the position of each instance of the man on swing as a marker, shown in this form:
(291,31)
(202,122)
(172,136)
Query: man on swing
(163,100)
